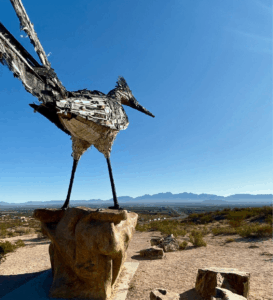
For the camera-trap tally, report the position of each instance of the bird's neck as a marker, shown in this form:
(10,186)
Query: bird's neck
(117,94)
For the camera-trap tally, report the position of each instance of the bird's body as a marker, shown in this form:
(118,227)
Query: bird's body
(89,117)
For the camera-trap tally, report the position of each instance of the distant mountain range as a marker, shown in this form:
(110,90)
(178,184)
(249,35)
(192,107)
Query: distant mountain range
(163,198)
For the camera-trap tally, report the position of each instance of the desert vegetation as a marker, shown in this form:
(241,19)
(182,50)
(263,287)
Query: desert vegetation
(6,247)
(13,226)
(247,222)
(10,227)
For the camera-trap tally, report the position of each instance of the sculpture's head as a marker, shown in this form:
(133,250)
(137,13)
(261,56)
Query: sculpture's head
(125,95)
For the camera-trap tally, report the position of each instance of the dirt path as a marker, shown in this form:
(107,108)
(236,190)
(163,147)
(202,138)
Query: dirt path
(177,272)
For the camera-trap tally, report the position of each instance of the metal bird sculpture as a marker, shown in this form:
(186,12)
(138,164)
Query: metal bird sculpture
(89,117)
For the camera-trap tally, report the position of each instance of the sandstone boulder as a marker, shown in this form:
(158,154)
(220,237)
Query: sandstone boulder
(224,294)
(87,250)
(153,253)
(208,279)
(162,294)
(168,244)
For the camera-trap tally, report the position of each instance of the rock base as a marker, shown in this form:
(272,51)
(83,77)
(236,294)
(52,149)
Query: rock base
(87,250)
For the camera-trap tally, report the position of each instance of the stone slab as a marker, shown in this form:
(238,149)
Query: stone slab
(123,286)
(38,288)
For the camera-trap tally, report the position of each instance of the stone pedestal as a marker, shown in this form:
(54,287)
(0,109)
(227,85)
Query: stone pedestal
(87,250)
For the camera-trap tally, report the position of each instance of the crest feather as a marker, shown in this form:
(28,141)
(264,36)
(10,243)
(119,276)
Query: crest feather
(121,83)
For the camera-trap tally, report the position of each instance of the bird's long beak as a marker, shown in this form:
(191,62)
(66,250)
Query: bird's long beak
(134,104)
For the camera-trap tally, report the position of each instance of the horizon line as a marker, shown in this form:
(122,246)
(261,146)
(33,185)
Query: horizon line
(111,199)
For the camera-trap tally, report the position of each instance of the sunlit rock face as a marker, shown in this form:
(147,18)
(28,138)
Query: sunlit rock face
(87,250)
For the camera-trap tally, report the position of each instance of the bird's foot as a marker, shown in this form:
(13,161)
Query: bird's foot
(99,209)
(115,207)
(65,208)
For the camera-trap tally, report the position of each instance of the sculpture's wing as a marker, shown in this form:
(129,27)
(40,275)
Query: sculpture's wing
(37,80)
(100,109)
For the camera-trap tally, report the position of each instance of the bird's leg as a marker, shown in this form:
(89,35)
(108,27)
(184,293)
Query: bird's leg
(116,205)
(75,163)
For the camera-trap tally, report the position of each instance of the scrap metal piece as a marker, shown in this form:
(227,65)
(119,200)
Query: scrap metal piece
(28,28)
(101,110)
(36,79)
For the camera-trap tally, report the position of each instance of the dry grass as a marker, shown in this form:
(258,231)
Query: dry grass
(247,222)
(183,245)
(11,228)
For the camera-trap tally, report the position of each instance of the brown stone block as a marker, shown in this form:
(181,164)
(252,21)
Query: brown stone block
(231,279)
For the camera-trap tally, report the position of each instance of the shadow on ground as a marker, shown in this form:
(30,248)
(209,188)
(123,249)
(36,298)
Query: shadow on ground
(38,240)
(139,257)
(254,239)
(190,294)
(10,282)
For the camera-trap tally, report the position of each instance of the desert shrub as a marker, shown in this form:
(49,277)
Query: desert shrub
(165,227)
(7,246)
(264,230)
(245,231)
(183,245)
(196,238)
(235,223)
(258,230)
(3,232)
(19,243)
(237,215)
(205,231)
(10,234)
(223,230)
(193,216)
(206,219)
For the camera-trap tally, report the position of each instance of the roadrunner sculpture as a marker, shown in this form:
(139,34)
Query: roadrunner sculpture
(89,117)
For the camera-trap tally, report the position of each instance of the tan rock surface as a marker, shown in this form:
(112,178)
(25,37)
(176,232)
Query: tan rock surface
(87,251)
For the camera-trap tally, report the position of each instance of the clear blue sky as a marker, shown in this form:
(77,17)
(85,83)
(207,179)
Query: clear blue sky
(203,68)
